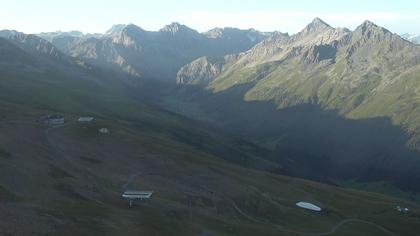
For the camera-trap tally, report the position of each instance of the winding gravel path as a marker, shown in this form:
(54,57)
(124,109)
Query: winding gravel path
(343,222)
(130,179)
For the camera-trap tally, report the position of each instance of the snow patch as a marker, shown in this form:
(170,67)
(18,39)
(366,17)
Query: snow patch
(309,206)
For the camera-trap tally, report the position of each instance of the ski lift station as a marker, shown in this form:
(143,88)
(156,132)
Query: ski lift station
(132,195)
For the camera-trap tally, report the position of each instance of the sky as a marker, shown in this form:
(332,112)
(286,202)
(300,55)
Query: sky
(97,16)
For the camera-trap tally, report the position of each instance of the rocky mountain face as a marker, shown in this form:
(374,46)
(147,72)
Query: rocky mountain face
(28,62)
(337,68)
(64,41)
(115,29)
(202,70)
(282,46)
(35,46)
(156,55)
(49,36)
(320,96)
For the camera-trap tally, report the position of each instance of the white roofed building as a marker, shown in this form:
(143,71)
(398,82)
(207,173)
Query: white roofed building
(132,195)
(309,206)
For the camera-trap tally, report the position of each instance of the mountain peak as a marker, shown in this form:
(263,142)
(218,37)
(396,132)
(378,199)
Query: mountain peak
(115,29)
(215,33)
(369,23)
(176,27)
(131,29)
(318,21)
(368,26)
(175,24)
(316,25)
(229,32)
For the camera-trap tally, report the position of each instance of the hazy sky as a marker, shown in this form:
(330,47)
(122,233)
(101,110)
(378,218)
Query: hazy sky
(96,16)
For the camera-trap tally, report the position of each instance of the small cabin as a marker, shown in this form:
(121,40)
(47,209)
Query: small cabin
(132,195)
(85,119)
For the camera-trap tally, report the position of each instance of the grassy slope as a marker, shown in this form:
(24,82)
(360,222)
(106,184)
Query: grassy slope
(69,180)
(195,192)
(399,101)
(367,103)
(377,79)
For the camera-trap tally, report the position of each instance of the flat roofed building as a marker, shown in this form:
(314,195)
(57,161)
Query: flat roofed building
(132,195)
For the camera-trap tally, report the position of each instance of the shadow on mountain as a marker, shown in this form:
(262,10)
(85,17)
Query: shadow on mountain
(311,142)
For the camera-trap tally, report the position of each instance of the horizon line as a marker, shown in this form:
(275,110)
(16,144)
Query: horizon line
(201,32)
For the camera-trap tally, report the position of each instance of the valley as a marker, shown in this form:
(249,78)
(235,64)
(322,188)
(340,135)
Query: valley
(318,99)
(230,128)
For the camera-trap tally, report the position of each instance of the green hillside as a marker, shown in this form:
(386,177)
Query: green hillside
(68,181)
(327,101)
(233,176)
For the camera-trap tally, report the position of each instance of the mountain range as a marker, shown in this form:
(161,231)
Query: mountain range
(366,74)
(230,129)
(301,93)
(353,72)
(152,55)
